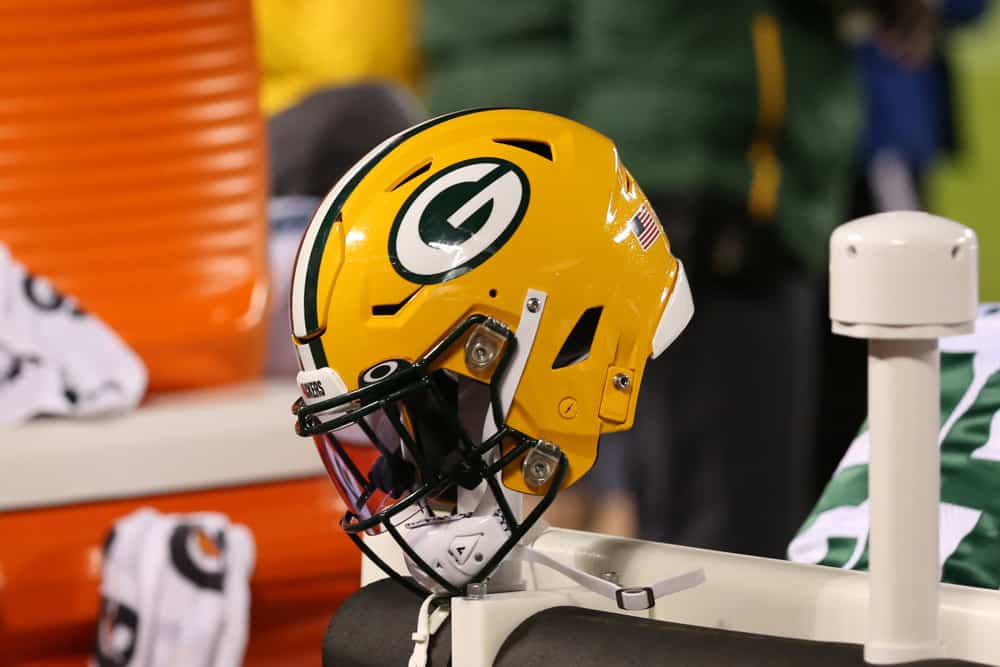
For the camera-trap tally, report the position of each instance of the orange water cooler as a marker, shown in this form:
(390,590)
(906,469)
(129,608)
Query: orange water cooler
(133,175)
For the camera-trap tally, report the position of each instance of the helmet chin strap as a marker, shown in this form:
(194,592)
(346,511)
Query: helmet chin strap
(634,598)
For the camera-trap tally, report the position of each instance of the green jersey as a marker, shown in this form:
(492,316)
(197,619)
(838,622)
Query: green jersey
(766,113)
(836,532)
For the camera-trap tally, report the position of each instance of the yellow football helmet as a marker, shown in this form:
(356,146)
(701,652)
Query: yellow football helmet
(475,301)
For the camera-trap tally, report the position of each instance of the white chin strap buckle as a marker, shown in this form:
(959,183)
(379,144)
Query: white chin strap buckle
(635,599)
(627,599)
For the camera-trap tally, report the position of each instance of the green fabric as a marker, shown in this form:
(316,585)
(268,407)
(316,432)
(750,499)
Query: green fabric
(516,53)
(970,472)
(674,84)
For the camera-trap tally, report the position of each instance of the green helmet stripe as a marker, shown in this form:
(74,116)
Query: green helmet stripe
(323,233)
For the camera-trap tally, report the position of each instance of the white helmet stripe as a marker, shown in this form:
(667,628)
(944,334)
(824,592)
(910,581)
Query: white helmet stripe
(305,258)
(306,361)
(305,249)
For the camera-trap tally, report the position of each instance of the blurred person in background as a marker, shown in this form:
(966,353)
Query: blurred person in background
(336,80)
(910,121)
(740,117)
(524,56)
(740,120)
(910,102)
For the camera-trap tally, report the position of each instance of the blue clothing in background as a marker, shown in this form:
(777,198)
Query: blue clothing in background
(909,109)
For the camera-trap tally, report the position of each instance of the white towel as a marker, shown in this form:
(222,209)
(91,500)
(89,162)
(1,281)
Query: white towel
(56,359)
(174,591)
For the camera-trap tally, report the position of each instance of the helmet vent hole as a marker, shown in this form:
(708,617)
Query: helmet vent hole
(388,309)
(493,293)
(537,147)
(578,342)
(406,178)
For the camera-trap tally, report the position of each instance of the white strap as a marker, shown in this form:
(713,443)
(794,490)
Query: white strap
(428,622)
(527,329)
(629,599)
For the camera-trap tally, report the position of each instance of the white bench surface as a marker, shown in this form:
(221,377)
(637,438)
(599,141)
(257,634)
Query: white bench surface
(173,442)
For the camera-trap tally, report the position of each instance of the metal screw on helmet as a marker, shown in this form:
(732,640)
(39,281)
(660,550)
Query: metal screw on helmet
(540,464)
(482,348)
(479,354)
(532,305)
(622,382)
(476,591)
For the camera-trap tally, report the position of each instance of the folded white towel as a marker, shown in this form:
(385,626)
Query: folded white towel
(175,591)
(56,359)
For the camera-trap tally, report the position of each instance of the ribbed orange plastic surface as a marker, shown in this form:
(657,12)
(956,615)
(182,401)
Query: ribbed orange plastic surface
(132,173)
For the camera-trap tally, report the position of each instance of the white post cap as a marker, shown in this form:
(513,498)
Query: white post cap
(903,274)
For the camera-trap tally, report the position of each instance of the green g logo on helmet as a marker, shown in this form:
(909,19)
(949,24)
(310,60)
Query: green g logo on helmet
(457,219)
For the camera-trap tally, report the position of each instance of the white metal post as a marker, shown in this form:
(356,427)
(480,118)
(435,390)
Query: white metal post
(904,489)
(903,280)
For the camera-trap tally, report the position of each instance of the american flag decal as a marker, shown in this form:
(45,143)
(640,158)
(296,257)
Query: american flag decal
(645,226)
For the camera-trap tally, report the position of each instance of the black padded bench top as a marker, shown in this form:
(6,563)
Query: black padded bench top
(373,627)
(584,637)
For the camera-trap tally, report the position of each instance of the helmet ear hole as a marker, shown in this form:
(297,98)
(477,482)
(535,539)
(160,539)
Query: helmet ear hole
(576,348)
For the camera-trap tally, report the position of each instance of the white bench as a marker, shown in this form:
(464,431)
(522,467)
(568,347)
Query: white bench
(173,442)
